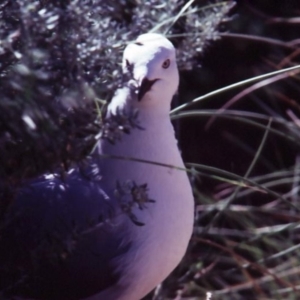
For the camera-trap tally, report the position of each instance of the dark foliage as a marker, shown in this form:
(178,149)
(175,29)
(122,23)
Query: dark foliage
(59,58)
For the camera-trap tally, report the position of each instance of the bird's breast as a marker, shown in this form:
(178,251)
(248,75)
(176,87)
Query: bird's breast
(154,160)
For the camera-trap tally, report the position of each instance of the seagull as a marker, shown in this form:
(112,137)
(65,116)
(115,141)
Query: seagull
(79,236)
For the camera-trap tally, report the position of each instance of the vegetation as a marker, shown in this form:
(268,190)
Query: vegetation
(60,62)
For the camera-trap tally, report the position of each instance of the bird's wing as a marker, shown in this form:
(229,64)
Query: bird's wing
(61,238)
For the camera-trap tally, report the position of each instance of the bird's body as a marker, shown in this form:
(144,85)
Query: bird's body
(113,258)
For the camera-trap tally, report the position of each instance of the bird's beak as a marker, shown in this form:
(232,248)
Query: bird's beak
(145,86)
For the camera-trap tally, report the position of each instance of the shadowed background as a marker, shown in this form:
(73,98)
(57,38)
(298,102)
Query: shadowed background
(60,61)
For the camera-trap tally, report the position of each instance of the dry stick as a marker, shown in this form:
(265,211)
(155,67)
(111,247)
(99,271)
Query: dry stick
(249,90)
(266,278)
(256,38)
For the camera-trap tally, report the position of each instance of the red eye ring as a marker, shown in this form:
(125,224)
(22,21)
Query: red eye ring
(166,64)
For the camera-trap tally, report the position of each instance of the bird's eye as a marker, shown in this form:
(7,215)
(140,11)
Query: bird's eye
(166,64)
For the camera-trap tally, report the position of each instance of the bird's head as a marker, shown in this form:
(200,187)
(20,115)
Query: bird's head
(151,63)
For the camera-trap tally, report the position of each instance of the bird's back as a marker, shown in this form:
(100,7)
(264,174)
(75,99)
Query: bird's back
(60,238)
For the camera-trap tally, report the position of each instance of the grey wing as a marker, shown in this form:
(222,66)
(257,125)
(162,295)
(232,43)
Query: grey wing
(60,240)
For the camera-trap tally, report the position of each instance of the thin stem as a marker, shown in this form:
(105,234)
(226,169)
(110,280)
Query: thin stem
(231,86)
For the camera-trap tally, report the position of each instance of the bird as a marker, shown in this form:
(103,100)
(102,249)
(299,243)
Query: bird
(80,236)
